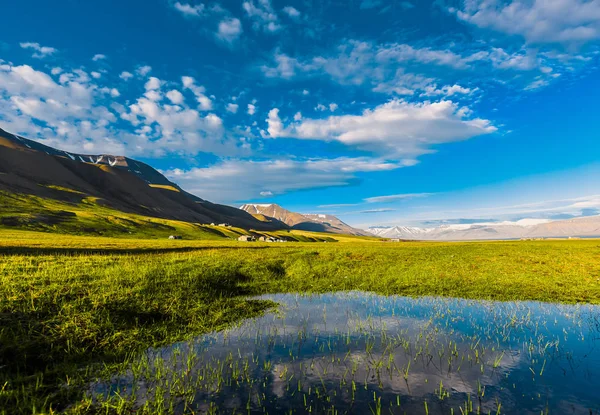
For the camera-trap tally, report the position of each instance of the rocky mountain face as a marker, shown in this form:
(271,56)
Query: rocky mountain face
(31,168)
(303,221)
(525,228)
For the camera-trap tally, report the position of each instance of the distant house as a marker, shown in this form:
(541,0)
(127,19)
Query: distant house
(247,238)
(267,239)
(175,237)
(212,224)
(394,240)
(224,224)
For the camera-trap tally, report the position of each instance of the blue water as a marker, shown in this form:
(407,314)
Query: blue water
(362,353)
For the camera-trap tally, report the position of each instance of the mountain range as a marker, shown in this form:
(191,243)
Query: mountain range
(306,222)
(33,169)
(588,226)
(41,186)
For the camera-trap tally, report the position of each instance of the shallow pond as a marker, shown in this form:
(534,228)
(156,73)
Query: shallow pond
(362,353)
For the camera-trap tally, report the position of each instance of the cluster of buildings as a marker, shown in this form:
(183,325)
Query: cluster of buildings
(251,238)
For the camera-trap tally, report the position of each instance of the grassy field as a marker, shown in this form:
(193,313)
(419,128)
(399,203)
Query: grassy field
(72,306)
(56,221)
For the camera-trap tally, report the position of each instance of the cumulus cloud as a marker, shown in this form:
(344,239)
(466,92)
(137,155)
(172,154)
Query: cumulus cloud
(175,97)
(286,67)
(39,51)
(262,15)
(232,108)
(98,57)
(189,10)
(65,113)
(204,102)
(143,70)
(234,180)
(399,129)
(230,29)
(448,90)
(251,109)
(76,113)
(291,12)
(559,21)
(126,75)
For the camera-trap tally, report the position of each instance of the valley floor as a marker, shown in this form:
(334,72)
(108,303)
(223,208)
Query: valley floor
(73,306)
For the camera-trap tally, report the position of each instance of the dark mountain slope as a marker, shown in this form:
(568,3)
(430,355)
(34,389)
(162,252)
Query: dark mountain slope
(121,183)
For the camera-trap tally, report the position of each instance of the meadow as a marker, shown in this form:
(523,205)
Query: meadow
(74,308)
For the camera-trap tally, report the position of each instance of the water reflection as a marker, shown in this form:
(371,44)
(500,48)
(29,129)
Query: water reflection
(362,353)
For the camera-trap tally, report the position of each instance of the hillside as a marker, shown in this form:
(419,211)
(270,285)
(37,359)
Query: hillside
(308,222)
(41,186)
(525,228)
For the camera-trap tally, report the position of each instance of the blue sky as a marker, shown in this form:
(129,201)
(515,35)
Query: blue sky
(380,112)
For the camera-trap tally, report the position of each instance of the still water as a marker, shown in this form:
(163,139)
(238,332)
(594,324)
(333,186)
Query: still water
(361,353)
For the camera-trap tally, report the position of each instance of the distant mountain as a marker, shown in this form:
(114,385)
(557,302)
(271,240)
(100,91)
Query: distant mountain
(308,222)
(31,168)
(525,228)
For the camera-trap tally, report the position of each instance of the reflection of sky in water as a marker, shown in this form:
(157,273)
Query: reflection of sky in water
(346,350)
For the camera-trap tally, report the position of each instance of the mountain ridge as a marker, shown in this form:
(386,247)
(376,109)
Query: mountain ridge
(31,168)
(588,226)
(307,221)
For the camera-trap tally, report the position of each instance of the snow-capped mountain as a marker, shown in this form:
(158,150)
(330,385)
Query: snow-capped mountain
(303,221)
(524,228)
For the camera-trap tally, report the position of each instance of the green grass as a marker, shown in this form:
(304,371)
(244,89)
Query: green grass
(70,305)
(91,217)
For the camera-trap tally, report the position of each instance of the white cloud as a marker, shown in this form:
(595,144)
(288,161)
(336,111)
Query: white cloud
(403,84)
(405,53)
(286,67)
(394,198)
(98,57)
(333,106)
(262,15)
(175,97)
(233,108)
(297,116)
(39,51)
(448,90)
(230,29)
(399,129)
(56,71)
(234,180)
(291,12)
(275,126)
(96,75)
(126,75)
(266,193)
(79,115)
(321,107)
(189,10)
(305,92)
(152,84)
(538,21)
(204,102)
(251,109)
(143,70)
(66,114)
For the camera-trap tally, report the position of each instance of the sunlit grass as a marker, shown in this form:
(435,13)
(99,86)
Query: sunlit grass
(69,303)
